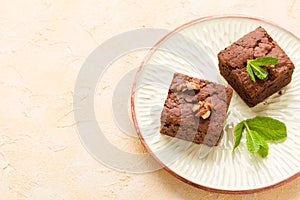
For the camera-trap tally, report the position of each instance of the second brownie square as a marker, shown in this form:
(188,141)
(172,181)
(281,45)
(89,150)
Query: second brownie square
(233,61)
(195,110)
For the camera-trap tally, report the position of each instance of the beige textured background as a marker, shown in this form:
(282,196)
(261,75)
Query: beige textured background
(43,44)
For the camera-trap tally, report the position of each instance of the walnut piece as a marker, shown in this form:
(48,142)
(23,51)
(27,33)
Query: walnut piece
(202,109)
(206,115)
(192,86)
(187,86)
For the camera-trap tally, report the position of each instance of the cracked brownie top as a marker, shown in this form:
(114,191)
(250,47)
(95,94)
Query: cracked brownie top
(257,43)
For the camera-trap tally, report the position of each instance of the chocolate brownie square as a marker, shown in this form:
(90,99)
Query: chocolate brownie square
(195,110)
(233,60)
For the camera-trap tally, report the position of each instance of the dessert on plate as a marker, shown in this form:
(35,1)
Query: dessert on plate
(233,61)
(195,110)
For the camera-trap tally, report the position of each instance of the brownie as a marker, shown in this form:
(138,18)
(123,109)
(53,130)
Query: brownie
(233,61)
(195,110)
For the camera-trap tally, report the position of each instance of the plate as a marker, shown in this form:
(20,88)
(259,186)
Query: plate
(192,49)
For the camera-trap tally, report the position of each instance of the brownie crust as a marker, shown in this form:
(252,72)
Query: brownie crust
(178,118)
(233,61)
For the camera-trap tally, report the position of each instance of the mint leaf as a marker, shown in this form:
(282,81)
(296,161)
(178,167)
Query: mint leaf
(260,72)
(250,72)
(253,141)
(270,129)
(238,130)
(264,149)
(259,130)
(254,67)
(266,60)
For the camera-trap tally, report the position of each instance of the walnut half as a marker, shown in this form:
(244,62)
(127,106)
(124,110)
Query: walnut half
(202,109)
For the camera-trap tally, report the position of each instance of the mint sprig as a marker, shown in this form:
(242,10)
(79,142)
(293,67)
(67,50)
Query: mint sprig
(259,130)
(254,68)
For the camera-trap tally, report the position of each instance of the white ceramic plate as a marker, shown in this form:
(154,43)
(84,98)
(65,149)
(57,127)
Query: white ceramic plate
(192,49)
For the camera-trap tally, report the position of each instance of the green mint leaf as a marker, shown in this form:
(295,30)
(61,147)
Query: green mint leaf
(254,67)
(266,60)
(264,149)
(238,130)
(256,144)
(253,141)
(260,129)
(260,72)
(250,72)
(268,128)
